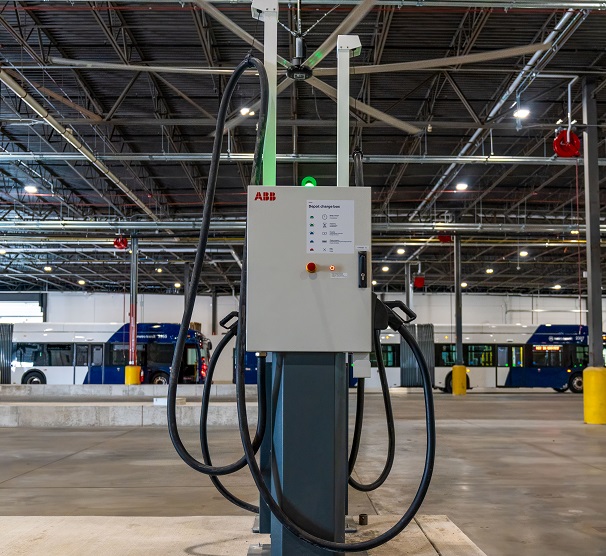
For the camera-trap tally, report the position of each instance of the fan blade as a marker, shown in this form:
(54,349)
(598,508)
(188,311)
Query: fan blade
(345,27)
(444,62)
(362,107)
(235,29)
(348,24)
(237,118)
(90,64)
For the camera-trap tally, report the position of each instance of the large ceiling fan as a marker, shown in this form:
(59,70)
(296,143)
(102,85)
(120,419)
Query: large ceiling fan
(345,27)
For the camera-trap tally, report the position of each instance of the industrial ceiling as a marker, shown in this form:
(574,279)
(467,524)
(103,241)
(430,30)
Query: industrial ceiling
(118,139)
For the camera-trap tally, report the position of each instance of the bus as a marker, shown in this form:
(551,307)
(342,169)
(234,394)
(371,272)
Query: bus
(508,356)
(49,353)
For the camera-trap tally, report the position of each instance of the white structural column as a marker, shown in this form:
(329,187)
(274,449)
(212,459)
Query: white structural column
(347,47)
(267,11)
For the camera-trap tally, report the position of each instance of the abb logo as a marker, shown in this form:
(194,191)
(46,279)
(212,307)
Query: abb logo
(265,196)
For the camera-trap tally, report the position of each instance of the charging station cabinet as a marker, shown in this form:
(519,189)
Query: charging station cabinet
(309,269)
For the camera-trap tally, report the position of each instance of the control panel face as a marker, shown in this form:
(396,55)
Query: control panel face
(309,262)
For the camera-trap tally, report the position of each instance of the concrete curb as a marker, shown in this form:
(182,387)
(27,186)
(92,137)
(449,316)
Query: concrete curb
(121,390)
(123,414)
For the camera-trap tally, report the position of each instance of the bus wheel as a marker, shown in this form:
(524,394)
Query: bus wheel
(159,378)
(560,390)
(448,384)
(575,383)
(33,377)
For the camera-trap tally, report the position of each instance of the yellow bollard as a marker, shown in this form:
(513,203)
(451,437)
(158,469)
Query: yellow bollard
(459,380)
(594,395)
(132,374)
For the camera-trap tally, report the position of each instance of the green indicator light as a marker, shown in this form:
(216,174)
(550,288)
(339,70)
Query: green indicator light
(309,181)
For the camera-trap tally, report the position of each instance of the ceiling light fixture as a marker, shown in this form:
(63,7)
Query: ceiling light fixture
(489,271)
(462,186)
(463,284)
(177,285)
(557,287)
(521,113)
(2,251)
(385,269)
(48,268)
(159,270)
(30,189)
(374,282)
(244,111)
(523,253)
(401,251)
(574,232)
(82,282)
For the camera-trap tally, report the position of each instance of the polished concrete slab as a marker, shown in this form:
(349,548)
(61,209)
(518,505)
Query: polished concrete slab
(205,536)
(518,473)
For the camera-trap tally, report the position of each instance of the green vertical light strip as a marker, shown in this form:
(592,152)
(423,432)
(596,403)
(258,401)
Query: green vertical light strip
(269,152)
(270,41)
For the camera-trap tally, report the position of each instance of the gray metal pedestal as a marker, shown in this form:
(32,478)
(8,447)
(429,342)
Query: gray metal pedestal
(310,450)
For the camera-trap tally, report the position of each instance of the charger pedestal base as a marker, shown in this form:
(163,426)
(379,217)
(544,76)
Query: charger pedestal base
(310,450)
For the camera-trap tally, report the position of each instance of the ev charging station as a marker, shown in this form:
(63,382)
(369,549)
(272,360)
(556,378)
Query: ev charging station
(306,302)
(309,299)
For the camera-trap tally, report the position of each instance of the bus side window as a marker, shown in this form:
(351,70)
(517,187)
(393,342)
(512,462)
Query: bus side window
(546,356)
(81,355)
(502,359)
(580,356)
(446,355)
(28,354)
(480,355)
(192,355)
(40,357)
(517,356)
(60,355)
(118,354)
(160,354)
(97,356)
(390,353)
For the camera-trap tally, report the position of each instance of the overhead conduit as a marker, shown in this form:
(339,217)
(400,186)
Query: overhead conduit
(72,140)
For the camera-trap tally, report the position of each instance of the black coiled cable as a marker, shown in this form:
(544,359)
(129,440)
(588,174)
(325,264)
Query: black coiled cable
(266,495)
(249,446)
(173,430)
(261,423)
(391,430)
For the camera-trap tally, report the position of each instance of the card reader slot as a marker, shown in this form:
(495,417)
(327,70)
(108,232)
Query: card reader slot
(362,269)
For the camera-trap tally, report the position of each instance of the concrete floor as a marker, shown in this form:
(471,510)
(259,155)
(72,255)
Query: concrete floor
(519,473)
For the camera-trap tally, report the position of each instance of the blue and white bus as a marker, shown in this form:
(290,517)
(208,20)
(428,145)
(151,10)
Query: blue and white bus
(48,353)
(507,356)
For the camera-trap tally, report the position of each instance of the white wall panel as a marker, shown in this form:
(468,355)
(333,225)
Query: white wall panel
(436,308)
(431,308)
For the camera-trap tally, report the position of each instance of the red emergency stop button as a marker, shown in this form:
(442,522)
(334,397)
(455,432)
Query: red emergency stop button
(311,267)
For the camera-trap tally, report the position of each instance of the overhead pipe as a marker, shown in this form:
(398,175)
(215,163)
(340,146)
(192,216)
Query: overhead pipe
(167,251)
(571,14)
(71,139)
(464,4)
(240,225)
(298,158)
